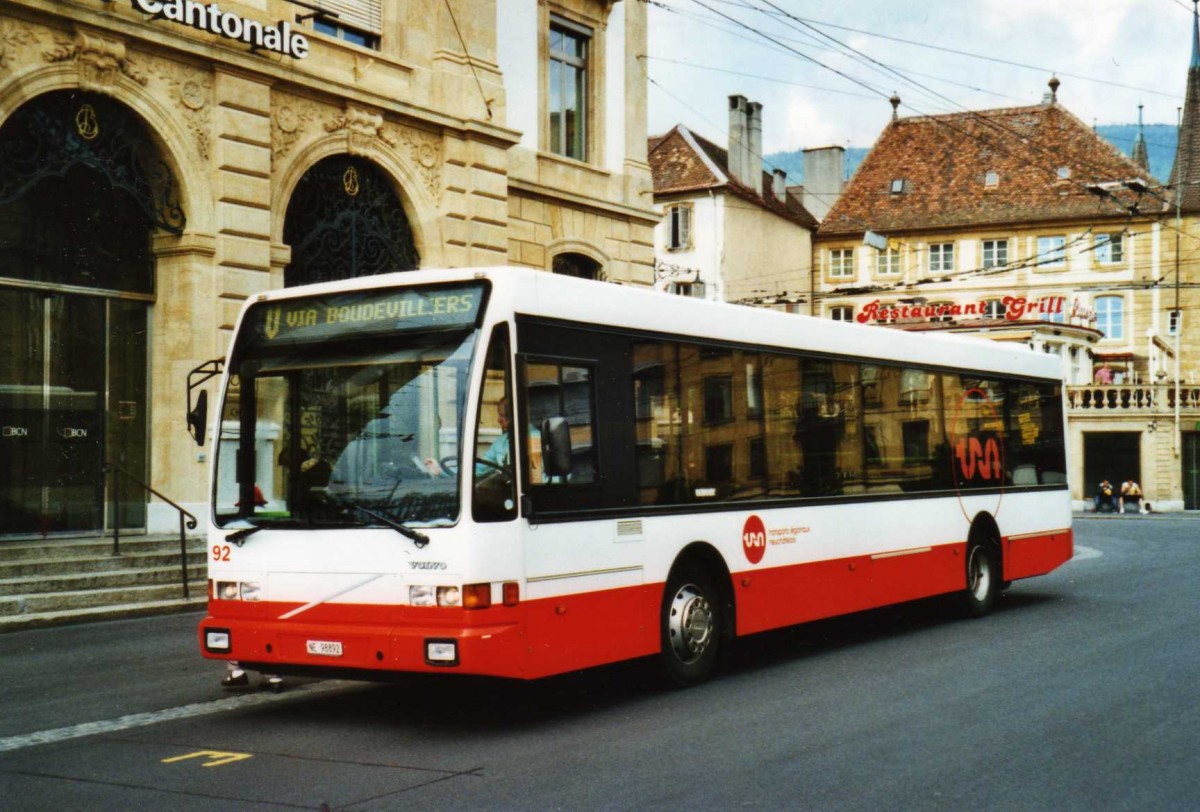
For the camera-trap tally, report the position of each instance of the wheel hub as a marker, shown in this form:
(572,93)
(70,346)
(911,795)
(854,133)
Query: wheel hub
(980,574)
(691,624)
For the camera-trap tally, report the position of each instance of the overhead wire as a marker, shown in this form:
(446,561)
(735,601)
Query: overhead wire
(1131,211)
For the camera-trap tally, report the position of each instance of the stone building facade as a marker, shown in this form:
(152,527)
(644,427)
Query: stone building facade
(161,161)
(1022,224)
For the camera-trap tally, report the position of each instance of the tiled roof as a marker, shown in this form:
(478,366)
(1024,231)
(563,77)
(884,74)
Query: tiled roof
(943,164)
(678,168)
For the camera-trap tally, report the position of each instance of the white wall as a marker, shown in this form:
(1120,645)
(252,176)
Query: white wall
(707,241)
(517,54)
(614,90)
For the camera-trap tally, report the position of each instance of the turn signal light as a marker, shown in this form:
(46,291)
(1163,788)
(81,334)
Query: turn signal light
(512,593)
(477,596)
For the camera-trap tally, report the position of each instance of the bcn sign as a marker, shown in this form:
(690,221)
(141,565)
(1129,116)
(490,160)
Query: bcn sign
(280,38)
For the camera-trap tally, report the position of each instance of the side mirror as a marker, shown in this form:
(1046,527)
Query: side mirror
(556,446)
(197,417)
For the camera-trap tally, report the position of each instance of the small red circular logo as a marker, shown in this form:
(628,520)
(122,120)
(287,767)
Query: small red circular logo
(754,539)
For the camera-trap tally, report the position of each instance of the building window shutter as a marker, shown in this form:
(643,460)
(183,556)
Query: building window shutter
(365,15)
(681,227)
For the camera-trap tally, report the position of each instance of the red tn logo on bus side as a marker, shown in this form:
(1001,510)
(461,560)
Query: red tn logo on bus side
(754,539)
(976,456)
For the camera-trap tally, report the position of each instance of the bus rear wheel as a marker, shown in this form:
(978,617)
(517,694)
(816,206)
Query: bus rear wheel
(691,626)
(983,579)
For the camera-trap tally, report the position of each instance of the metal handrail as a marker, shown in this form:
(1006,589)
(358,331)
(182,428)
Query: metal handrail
(192,521)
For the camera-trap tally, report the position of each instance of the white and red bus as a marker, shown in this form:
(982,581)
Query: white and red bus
(676,474)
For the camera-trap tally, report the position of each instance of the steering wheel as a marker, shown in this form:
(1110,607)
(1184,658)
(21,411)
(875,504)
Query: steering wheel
(450,464)
(497,467)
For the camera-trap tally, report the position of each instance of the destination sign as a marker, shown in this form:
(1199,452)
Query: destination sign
(364,313)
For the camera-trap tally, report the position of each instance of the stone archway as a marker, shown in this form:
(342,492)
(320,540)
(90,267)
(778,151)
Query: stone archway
(83,188)
(344,220)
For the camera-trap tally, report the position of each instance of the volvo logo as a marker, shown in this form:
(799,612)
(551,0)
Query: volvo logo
(427,565)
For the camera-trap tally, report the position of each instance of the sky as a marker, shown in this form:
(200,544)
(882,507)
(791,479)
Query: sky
(939,56)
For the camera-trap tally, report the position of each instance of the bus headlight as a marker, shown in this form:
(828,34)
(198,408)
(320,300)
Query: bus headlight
(471,596)
(217,640)
(441,652)
(238,591)
(422,596)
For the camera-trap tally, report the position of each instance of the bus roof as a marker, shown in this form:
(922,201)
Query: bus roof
(529,292)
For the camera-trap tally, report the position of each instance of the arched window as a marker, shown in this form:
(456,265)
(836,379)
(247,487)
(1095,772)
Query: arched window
(578,265)
(344,221)
(1110,316)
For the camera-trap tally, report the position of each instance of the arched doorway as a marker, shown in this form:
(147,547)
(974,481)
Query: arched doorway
(82,189)
(577,265)
(343,221)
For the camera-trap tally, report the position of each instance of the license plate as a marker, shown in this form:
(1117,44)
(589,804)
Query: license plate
(325,648)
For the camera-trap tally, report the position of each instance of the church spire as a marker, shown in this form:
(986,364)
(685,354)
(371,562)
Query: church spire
(1185,173)
(1141,155)
(1195,37)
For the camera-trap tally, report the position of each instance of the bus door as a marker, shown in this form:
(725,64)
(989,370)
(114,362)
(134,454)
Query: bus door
(584,560)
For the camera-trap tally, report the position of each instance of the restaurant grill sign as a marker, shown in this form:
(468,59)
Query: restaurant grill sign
(1015,309)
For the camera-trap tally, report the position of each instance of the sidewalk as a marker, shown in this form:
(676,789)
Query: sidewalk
(1177,514)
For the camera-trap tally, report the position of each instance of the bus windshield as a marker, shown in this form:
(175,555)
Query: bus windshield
(353,420)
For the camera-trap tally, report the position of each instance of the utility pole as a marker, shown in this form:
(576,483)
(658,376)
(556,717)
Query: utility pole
(1177,439)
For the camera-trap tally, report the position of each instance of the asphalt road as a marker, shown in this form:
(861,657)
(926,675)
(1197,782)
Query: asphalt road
(1080,692)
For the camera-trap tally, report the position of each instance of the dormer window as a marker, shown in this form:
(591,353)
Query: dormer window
(897,186)
(991,179)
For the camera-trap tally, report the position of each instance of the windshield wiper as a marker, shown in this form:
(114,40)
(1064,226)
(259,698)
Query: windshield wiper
(418,538)
(242,533)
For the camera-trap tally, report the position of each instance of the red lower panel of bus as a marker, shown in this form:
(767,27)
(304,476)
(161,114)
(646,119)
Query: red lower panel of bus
(768,599)
(533,639)
(1026,556)
(543,637)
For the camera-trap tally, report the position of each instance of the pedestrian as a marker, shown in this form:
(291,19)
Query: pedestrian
(1104,495)
(236,678)
(1104,375)
(1131,491)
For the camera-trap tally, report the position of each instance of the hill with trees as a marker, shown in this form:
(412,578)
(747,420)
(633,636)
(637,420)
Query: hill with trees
(1160,143)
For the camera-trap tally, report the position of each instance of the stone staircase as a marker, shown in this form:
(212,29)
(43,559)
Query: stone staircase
(58,581)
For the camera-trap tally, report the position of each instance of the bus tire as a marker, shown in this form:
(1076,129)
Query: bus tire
(983,579)
(692,626)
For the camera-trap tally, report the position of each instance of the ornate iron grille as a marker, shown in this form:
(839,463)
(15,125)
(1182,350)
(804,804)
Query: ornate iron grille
(344,221)
(65,129)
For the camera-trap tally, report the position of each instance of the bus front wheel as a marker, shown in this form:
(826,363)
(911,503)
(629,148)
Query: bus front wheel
(983,579)
(691,626)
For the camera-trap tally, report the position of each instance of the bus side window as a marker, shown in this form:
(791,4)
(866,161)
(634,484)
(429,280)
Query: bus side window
(562,390)
(494,498)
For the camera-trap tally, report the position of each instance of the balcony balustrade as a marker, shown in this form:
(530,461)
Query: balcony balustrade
(1146,399)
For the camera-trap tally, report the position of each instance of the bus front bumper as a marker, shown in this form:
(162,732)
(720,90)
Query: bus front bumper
(376,650)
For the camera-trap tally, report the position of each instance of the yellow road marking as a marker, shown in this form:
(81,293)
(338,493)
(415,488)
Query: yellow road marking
(218,757)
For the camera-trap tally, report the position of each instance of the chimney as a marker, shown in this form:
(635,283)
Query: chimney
(824,177)
(779,185)
(754,164)
(739,137)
